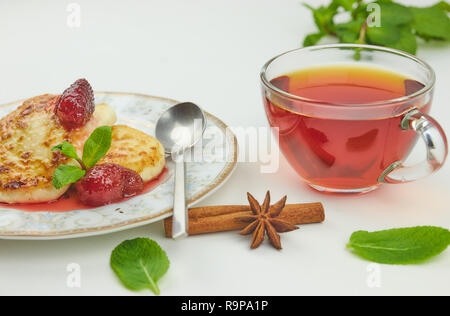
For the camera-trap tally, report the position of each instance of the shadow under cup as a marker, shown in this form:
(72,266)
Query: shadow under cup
(353,148)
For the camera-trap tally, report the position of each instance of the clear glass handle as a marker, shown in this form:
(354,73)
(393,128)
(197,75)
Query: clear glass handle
(437,149)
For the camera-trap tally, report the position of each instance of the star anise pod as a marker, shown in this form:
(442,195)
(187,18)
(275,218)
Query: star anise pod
(264,221)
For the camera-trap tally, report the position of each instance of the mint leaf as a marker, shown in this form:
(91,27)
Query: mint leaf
(407,42)
(400,246)
(395,14)
(360,12)
(385,35)
(139,264)
(313,39)
(443,5)
(349,32)
(97,145)
(346,4)
(354,26)
(431,23)
(323,17)
(68,150)
(346,36)
(65,175)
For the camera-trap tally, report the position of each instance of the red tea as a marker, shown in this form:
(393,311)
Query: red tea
(349,153)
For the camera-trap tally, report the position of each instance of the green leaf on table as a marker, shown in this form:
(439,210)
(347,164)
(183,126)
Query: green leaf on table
(312,39)
(97,145)
(139,264)
(67,149)
(400,246)
(65,175)
(431,23)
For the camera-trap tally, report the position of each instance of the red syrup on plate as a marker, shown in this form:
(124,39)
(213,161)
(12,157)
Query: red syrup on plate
(70,202)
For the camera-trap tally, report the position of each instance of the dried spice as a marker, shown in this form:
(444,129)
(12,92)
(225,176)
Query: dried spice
(265,220)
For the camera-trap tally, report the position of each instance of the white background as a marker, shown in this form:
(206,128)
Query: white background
(209,52)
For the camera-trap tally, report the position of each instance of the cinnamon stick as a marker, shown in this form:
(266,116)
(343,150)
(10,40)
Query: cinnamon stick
(211,219)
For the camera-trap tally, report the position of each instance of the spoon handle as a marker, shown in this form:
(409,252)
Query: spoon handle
(179,204)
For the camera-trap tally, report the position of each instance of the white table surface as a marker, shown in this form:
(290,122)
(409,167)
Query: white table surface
(209,52)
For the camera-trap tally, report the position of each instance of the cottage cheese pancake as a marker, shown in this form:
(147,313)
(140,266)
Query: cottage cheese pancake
(137,151)
(27,135)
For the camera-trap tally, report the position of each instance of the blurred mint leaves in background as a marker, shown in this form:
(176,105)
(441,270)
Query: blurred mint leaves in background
(381,22)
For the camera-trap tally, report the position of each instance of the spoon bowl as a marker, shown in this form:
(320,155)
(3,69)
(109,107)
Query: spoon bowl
(180,127)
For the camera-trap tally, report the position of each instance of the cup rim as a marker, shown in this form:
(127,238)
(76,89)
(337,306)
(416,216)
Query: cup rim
(429,85)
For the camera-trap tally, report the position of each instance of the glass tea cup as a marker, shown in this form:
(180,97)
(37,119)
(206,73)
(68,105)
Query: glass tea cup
(354,147)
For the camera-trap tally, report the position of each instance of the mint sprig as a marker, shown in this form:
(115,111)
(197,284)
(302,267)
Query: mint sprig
(399,27)
(139,264)
(95,147)
(400,246)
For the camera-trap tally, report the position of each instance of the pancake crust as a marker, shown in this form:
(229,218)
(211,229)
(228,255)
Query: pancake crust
(137,151)
(27,135)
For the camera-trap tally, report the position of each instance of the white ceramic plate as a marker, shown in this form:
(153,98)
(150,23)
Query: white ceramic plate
(219,154)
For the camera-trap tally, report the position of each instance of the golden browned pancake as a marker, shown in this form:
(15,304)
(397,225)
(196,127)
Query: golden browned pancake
(27,135)
(137,151)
